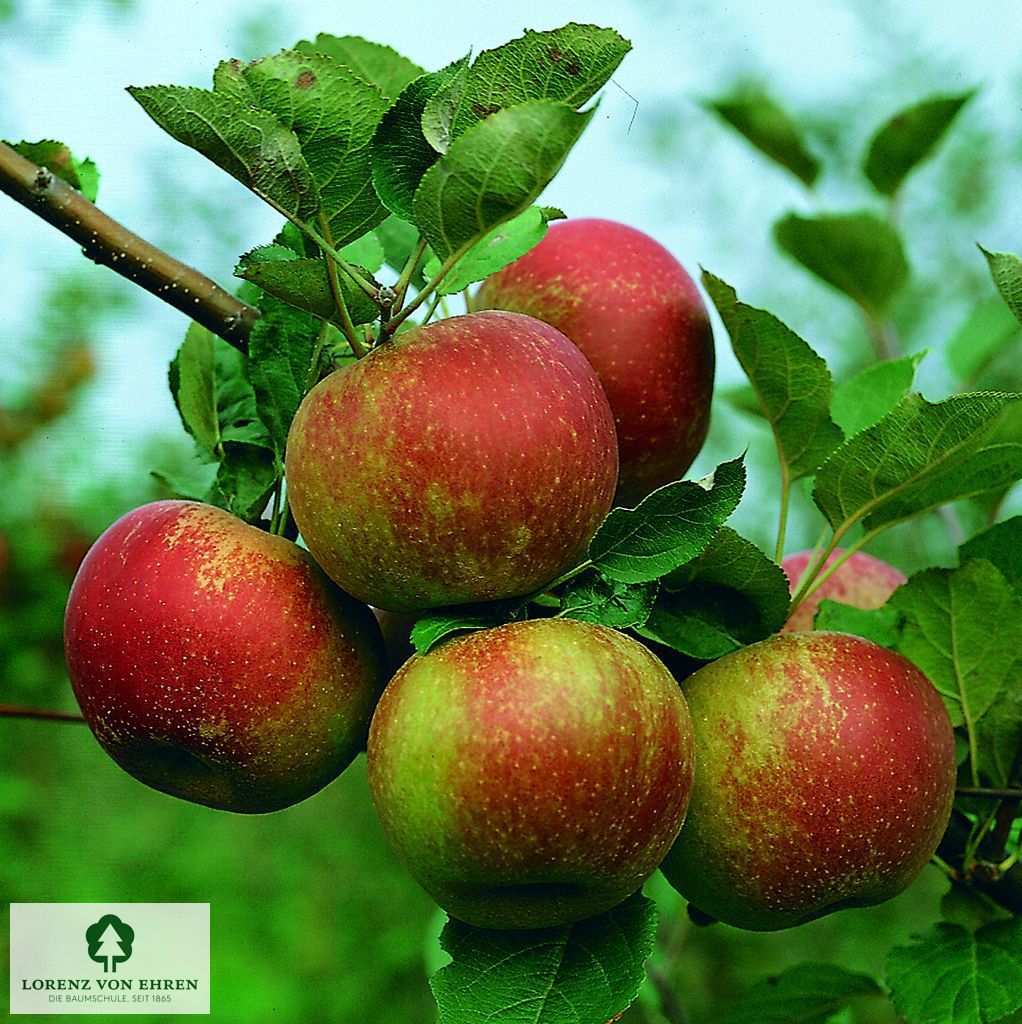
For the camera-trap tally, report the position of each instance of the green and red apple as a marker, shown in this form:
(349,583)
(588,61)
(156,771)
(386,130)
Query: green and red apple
(861,581)
(216,662)
(632,309)
(824,777)
(468,460)
(532,774)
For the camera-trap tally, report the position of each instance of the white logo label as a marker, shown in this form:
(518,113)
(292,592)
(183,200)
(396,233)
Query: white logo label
(110,958)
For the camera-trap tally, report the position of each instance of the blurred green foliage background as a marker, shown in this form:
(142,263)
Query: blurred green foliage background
(313,918)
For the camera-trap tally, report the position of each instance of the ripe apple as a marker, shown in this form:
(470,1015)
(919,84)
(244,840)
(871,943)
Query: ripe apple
(639,319)
(216,662)
(863,582)
(532,774)
(824,775)
(468,460)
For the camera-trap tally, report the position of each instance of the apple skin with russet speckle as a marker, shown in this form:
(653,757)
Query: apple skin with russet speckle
(824,777)
(469,460)
(532,774)
(862,581)
(632,309)
(216,662)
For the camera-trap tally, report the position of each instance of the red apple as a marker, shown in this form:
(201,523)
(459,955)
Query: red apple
(469,460)
(862,581)
(216,662)
(639,319)
(824,776)
(532,774)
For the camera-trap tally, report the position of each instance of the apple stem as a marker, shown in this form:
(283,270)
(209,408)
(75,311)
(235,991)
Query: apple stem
(437,299)
(42,714)
(1005,888)
(347,326)
(782,525)
(105,241)
(404,279)
(431,286)
(278,523)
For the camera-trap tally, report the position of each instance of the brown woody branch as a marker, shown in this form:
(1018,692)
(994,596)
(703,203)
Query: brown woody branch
(45,714)
(991,793)
(106,242)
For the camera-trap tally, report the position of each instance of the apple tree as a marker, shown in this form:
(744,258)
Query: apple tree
(597,651)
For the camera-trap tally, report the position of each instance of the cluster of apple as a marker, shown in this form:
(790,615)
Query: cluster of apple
(538,772)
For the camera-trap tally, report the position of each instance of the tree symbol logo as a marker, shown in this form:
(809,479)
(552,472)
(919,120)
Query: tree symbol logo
(109,942)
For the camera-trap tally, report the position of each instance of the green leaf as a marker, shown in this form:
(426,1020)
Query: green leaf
(921,455)
(585,973)
(501,246)
(868,397)
(279,367)
(881,625)
(668,528)
(218,407)
(810,993)
(988,330)
(88,178)
(372,62)
(334,114)
(568,65)
(304,283)
(857,253)
(1006,270)
(438,113)
(57,158)
(1000,544)
(398,239)
(951,975)
(908,138)
(728,596)
(366,252)
(400,154)
(792,383)
(947,633)
(769,128)
(493,172)
(244,481)
(193,388)
(237,412)
(592,598)
(250,145)
(216,403)
(435,627)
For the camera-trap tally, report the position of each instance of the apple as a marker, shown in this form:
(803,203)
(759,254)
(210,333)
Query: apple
(469,460)
(639,319)
(215,662)
(862,581)
(824,776)
(532,774)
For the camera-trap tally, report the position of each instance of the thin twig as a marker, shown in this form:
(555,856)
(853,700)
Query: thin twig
(407,273)
(42,714)
(990,792)
(347,325)
(106,242)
